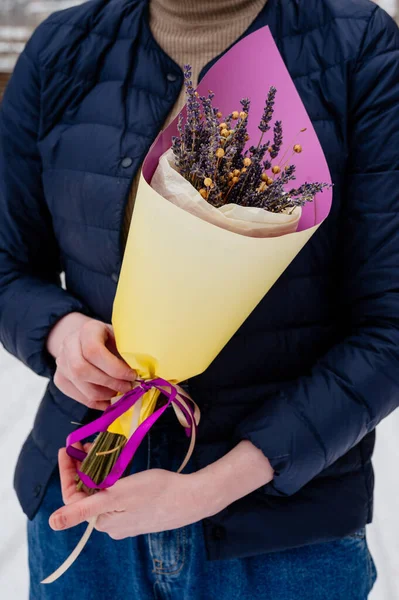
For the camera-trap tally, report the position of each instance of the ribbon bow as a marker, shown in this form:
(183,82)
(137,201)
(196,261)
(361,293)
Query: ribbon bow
(187,413)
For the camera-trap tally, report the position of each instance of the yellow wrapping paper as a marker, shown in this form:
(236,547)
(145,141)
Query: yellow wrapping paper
(187,285)
(185,288)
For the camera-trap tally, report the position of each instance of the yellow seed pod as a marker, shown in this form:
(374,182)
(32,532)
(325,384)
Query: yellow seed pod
(203,192)
(276,170)
(223,125)
(247,162)
(220,153)
(246,137)
(270,149)
(219,115)
(243,115)
(262,186)
(269,181)
(235,114)
(231,175)
(236,172)
(244,170)
(298,148)
(225,132)
(235,179)
(207,182)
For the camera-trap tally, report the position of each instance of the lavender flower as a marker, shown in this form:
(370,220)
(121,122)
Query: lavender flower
(278,139)
(268,110)
(267,165)
(212,154)
(246,104)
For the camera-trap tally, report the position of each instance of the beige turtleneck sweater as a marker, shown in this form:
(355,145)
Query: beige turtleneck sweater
(194,32)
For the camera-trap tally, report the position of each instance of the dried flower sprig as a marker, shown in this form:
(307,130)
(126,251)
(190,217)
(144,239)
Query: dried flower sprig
(212,154)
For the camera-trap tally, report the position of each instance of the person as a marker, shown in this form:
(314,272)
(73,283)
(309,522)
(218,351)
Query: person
(275,501)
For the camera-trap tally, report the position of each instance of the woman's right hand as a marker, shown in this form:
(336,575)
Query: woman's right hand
(89,367)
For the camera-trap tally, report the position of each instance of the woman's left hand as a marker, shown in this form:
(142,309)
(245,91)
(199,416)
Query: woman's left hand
(146,502)
(159,500)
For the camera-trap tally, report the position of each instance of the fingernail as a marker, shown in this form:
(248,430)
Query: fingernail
(57,521)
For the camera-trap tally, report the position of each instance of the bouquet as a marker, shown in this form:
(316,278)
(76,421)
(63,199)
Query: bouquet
(216,221)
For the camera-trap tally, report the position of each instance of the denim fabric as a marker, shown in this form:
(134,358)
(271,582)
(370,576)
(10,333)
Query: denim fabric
(173,564)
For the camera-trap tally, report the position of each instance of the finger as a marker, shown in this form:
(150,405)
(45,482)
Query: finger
(96,396)
(97,377)
(94,349)
(104,522)
(81,372)
(114,524)
(68,466)
(78,370)
(81,364)
(69,389)
(82,510)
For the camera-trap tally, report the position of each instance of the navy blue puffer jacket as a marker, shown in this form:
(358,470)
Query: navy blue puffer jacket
(316,366)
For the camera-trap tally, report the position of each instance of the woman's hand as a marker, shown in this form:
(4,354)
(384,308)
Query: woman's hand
(89,368)
(149,501)
(158,500)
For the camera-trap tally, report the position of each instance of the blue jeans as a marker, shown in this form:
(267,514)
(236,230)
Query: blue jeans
(172,565)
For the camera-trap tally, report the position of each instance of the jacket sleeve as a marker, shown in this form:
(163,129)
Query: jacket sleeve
(31,296)
(356,384)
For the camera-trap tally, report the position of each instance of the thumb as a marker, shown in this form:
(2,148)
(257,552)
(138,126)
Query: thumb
(82,510)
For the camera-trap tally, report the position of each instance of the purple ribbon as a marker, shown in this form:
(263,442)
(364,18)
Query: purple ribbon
(113,412)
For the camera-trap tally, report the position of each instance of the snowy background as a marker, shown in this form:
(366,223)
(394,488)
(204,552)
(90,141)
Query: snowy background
(22,390)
